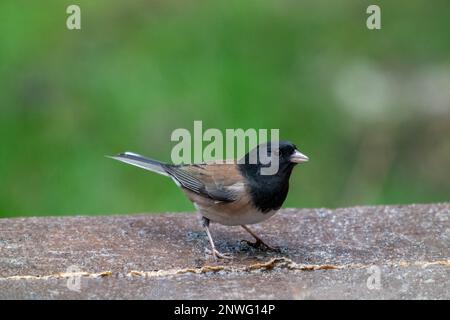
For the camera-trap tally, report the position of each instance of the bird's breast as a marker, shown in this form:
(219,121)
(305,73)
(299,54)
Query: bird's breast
(233,213)
(234,218)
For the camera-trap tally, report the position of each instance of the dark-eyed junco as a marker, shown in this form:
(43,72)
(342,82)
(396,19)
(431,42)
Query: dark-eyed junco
(231,193)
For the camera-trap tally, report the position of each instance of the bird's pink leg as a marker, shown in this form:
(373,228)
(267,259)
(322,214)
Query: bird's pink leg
(259,241)
(215,252)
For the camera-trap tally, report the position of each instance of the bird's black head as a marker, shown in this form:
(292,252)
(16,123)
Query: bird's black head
(282,156)
(267,169)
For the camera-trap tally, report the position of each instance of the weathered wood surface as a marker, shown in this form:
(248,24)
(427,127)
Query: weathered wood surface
(375,252)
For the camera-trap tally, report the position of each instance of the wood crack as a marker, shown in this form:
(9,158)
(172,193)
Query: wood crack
(273,264)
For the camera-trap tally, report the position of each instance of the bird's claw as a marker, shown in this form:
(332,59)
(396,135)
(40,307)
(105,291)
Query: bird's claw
(261,245)
(217,255)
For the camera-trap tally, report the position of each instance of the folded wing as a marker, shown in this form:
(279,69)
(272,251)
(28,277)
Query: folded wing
(220,182)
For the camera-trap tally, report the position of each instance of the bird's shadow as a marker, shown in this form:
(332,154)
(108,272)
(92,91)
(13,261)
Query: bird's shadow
(240,249)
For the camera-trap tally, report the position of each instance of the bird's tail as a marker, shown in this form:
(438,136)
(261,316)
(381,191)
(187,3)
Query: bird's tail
(141,162)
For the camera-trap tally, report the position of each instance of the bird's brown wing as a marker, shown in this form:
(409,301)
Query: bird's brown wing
(217,181)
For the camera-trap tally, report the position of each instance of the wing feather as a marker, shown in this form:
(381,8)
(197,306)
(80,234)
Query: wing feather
(220,182)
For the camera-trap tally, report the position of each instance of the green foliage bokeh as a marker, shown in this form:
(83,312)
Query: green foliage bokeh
(137,70)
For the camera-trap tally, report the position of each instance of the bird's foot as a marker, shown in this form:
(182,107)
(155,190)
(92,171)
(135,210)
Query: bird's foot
(261,245)
(217,255)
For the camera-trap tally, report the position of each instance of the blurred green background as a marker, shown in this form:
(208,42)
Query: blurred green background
(370,108)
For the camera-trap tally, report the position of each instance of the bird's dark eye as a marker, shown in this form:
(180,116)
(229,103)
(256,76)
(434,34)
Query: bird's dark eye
(287,151)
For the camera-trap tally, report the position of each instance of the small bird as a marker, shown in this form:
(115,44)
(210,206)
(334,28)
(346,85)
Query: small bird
(231,193)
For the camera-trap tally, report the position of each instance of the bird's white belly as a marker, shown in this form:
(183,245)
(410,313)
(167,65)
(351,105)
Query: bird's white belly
(234,219)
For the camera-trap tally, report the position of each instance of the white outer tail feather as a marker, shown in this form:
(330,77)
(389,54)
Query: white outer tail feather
(141,162)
